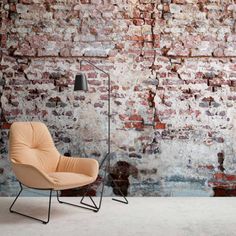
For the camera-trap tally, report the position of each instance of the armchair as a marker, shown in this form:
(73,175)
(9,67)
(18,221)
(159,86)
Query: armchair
(37,163)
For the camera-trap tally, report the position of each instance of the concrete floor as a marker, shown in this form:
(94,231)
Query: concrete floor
(143,216)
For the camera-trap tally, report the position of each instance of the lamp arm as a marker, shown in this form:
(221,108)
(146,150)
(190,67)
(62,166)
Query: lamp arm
(94,66)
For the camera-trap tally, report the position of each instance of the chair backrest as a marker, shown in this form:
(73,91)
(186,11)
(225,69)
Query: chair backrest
(32,144)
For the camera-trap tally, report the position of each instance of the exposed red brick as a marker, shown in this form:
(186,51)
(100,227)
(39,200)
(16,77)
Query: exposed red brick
(136,38)
(94,82)
(138,125)
(160,125)
(6,125)
(119,46)
(98,104)
(26,1)
(92,75)
(138,21)
(85,1)
(115,87)
(86,67)
(208,167)
(136,117)
(230,177)
(224,177)
(179,1)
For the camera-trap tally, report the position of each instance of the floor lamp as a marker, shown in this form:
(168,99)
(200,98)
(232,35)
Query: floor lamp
(81,83)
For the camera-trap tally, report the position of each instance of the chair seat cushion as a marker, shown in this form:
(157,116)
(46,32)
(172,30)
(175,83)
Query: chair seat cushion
(67,180)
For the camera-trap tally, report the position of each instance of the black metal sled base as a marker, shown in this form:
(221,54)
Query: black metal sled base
(31,217)
(92,207)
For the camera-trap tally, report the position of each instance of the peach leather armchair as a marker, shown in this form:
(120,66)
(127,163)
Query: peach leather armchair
(37,163)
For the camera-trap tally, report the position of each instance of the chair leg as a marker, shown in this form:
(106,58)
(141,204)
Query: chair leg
(19,213)
(100,200)
(91,208)
(101,197)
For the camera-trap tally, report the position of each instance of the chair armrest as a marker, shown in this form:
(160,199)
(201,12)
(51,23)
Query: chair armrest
(86,166)
(32,177)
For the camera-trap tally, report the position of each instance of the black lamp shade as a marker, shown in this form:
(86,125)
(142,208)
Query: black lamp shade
(81,82)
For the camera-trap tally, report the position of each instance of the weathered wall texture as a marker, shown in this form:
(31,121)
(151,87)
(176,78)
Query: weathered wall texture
(173,70)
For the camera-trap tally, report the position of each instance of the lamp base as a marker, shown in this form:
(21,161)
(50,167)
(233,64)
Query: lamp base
(95,206)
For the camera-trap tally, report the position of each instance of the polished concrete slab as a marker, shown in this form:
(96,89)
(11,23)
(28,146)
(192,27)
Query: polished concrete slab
(143,216)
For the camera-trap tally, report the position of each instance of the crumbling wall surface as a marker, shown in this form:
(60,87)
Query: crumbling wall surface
(173,79)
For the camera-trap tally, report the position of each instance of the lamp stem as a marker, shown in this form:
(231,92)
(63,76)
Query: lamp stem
(109,114)
(109,111)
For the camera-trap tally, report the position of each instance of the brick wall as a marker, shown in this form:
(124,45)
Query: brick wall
(173,72)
